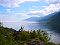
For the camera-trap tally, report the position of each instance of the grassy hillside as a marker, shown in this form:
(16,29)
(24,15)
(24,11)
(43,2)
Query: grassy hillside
(9,36)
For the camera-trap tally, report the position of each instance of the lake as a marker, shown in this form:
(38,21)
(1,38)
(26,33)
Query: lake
(55,36)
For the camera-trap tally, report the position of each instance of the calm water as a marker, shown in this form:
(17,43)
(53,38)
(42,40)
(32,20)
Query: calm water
(55,36)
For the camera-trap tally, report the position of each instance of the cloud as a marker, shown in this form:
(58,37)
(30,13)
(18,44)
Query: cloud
(16,3)
(38,13)
(17,17)
(51,8)
(54,5)
(53,1)
(13,3)
(8,10)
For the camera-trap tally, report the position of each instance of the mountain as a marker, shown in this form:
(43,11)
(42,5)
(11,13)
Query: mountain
(52,20)
(53,16)
(34,19)
(40,19)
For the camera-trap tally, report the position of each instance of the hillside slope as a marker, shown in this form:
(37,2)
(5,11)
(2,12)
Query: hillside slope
(54,21)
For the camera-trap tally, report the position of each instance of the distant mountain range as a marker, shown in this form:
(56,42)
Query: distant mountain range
(52,20)
(34,19)
(39,19)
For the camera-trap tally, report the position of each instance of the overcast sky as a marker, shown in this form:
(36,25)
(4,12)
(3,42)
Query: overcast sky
(18,10)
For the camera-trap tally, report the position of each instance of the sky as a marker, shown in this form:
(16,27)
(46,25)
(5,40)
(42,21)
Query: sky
(19,10)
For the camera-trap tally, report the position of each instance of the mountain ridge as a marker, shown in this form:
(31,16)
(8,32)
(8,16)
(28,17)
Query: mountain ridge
(52,20)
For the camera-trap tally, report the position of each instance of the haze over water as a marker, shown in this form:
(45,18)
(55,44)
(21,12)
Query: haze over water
(55,36)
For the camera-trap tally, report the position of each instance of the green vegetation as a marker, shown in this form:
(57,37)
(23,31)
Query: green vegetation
(9,36)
